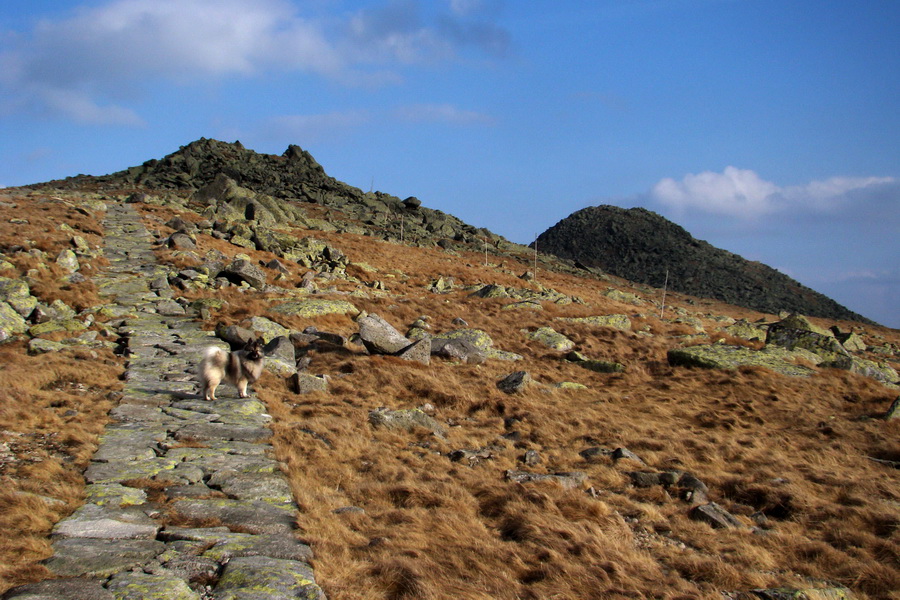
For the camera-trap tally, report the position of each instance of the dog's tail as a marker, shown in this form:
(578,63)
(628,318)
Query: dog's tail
(215,356)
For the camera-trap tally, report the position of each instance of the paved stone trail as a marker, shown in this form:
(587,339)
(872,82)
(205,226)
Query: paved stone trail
(122,546)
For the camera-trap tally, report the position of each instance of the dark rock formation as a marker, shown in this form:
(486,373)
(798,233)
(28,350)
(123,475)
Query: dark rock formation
(640,245)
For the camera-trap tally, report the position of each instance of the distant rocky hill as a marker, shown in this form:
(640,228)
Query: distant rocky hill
(641,246)
(294,176)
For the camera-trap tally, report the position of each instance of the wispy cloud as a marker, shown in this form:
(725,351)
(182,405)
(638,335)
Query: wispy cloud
(398,31)
(90,64)
(743,194)
(313,128)
(441,113)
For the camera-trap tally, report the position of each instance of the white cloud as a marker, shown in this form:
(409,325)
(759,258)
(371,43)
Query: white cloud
(738,192)
(742,193)
(82,109)
(441,113)
(88,65)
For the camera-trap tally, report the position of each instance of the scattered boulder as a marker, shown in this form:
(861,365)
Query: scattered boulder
(746,330)
(405,420)
(723,356)
(11,322)
(491,291)
(714,515)
(241,270)
(68,261)
(305,383)
(441,285)
(418,351)
(460,349)
(476,337)
(598,366)
(17,294)
(235,335)
(621,322)
(626,454)
(552,339)
(181,241)
(569,480)
(824,345)
(514,382)
(380,337)
(267,329)
(314,307)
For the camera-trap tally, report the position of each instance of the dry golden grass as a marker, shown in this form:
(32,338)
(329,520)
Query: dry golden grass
(791,455)
(53,408)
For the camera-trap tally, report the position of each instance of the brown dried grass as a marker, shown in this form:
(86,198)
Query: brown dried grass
(795,450)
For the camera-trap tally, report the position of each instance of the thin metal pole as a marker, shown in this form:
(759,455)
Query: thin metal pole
(662,308)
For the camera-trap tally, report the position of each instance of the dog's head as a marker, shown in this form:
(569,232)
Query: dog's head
(254,349)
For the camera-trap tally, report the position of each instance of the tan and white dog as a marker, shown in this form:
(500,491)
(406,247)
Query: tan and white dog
(239,368)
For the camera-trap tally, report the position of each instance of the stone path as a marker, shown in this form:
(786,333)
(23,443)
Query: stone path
(223,525)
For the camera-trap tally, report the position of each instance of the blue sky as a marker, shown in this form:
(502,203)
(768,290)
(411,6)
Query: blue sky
(766,128)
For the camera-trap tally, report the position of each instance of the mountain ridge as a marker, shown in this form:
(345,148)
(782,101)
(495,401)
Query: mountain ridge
(633,254)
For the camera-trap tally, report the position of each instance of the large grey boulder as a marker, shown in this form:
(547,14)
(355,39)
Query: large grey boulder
(380,337)
(17,294)
(243,270)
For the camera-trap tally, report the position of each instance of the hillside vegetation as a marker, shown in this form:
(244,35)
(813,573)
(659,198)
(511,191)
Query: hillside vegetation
(579,440)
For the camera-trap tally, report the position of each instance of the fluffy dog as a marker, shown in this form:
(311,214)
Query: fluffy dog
(239,368)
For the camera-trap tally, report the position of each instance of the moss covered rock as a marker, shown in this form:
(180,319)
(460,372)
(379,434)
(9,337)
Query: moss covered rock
(314,307)
(552,339)
(621,322)
(722,356)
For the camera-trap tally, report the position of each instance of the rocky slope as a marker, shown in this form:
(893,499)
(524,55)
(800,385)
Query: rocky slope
(642,246)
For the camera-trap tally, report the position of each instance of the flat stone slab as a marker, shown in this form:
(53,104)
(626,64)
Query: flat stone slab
(144,586)
(115,495)
(271,488)
(85,557)
(228,545)
(117,472)
(61,589)
(100,522)
(251,517)
(268,578)
(222,431)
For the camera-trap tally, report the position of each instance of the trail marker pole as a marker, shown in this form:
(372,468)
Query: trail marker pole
(485,250)
(662,308)
(535,258)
